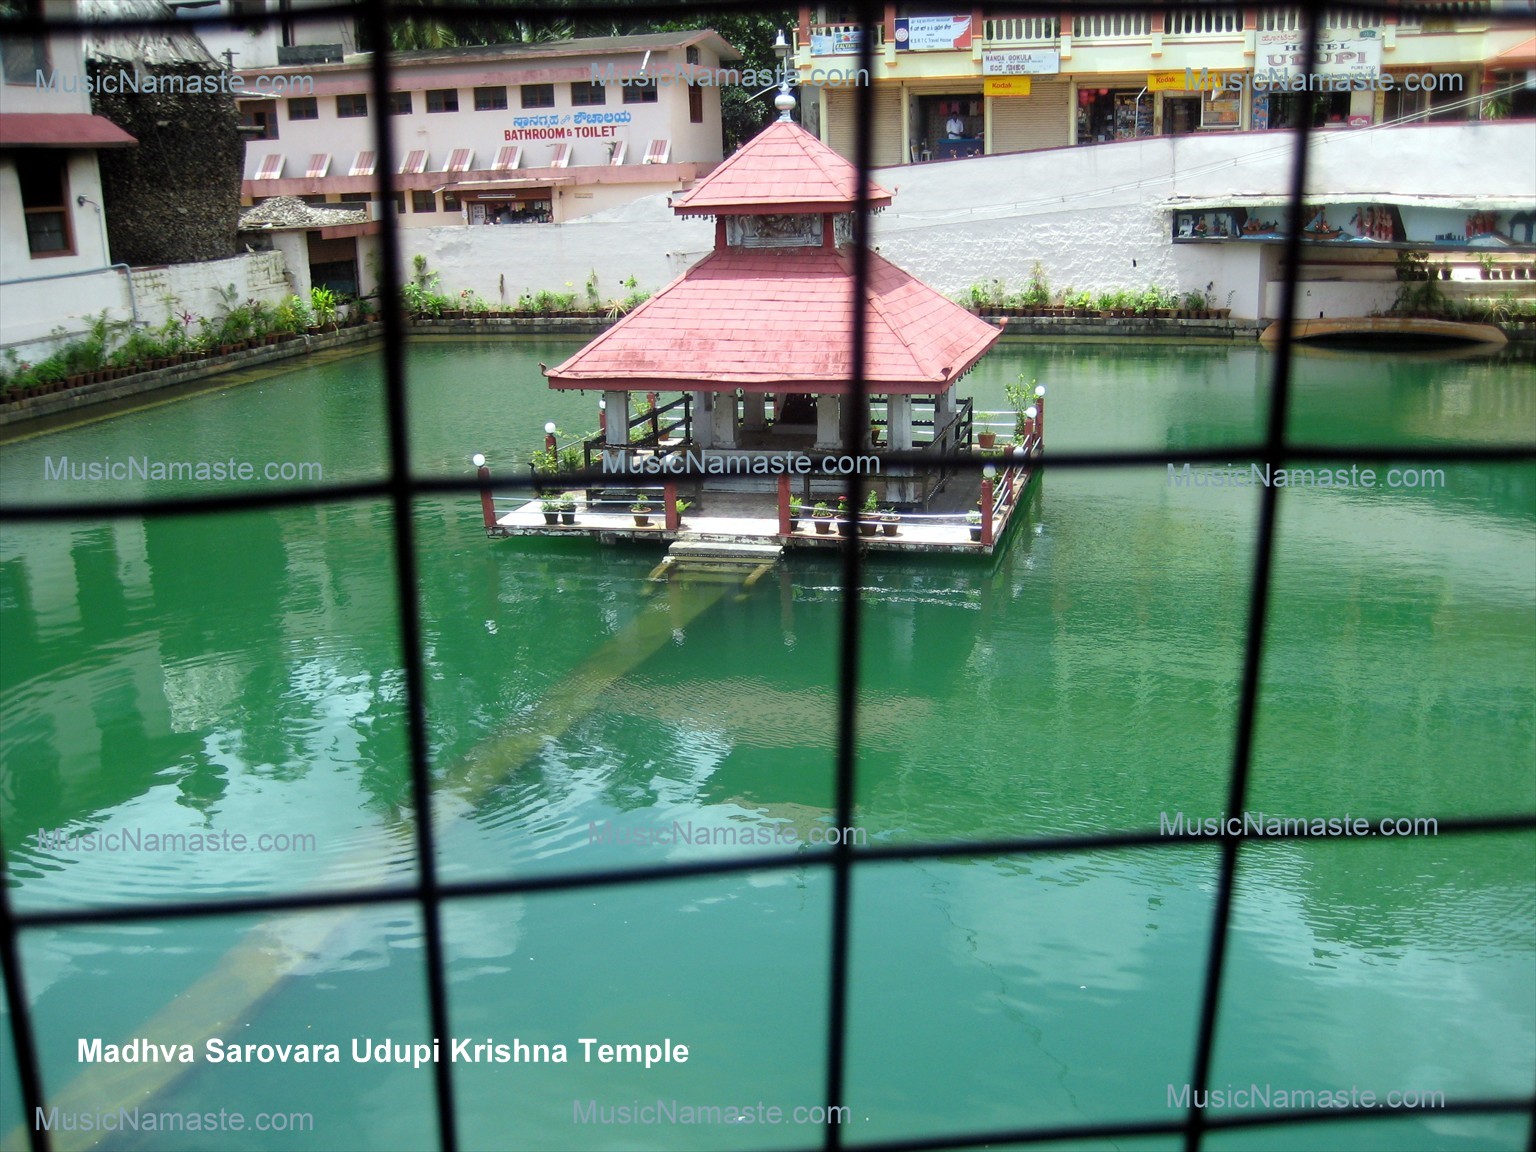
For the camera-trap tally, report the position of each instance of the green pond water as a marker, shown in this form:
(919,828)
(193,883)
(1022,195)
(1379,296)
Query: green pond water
(242,674)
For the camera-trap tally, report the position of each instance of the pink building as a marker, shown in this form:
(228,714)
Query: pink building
(514,133)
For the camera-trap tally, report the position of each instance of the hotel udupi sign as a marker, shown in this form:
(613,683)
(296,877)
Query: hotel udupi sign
(1005,86)
(1021,62)
(1353,52)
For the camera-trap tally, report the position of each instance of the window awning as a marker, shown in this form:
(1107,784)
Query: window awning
(60,130)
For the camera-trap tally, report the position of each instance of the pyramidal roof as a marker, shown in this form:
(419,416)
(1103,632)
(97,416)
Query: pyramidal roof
(783,169)
(781,320)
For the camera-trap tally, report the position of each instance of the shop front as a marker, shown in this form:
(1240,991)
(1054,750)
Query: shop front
(505,202)
(950,125)
(1113,112)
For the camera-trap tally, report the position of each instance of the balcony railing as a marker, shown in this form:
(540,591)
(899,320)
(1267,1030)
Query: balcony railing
(1113,26)
(1205,22)
(1215,23)
(1022,30)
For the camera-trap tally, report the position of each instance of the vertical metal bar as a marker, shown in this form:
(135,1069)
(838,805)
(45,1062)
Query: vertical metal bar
(23,1041)
(1258,609)
(855,426)
(377,17)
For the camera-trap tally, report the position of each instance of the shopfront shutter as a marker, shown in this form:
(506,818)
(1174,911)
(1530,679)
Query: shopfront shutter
(842,107)
(1039,120)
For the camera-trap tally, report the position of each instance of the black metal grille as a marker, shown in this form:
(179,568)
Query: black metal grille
(400,488)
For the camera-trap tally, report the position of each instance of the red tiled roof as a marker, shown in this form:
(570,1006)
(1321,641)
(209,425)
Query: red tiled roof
(782,169)
(61,130)
(781,319)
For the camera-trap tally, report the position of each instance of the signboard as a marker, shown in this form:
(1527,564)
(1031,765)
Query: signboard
(1194,80)
(1021,62)
(836,42)
(933,33)
(1005,86)
(1341,52)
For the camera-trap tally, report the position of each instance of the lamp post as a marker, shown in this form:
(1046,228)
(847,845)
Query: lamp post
(549,436)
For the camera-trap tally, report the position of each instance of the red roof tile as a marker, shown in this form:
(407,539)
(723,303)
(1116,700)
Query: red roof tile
(782,169)
(781,319)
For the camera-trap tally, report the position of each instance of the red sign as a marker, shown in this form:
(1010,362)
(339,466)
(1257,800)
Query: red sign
(1359,121)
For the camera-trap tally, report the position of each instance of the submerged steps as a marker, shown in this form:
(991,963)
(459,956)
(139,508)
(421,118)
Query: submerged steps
(718,561)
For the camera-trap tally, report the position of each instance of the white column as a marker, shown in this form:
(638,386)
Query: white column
(829,433)
(755,411)
(898,422)
(725,419)
(616,426)
(704,419)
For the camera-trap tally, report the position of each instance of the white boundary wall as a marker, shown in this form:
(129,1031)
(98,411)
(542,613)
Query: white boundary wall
(1092,216)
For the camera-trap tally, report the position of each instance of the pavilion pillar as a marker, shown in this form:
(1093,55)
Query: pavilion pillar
(898,422)
(829,431)
(755,412)
(704,419)
(943,413)
(725,435)
(902,486)
(616,425)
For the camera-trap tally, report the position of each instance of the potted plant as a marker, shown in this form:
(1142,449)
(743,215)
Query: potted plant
(987,440)
(567,509)
(795,506)
(681,506)
(973,521)
(869,515)
(890,521)
(822,516)
(642,510)
(840,515)
(551,509)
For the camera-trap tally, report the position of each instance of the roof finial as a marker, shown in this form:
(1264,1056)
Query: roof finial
(784,102)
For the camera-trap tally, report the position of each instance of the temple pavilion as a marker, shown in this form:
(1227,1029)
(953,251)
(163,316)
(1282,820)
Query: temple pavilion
(758,334)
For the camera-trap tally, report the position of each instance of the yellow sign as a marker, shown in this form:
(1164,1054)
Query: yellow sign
(1006,86)
(1189,80)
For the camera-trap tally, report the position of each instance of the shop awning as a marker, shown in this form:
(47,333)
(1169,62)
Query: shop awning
(520,184)
(60,130)
(1522,55)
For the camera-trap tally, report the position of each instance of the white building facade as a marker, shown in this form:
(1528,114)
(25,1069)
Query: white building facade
(55,270)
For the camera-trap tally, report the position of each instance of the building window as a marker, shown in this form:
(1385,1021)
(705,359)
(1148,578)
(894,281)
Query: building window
(586,95)
(44,202)
(490,99)
(640,93)
(538,95)
(442,100)
(398,199)
(303,108)
(450,202)
(423,202)
(22,57)
(695,104)
(398,103)
(258,120)
(352,105)
(692,54)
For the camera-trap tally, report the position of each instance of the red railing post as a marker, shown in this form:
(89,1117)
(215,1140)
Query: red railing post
(669,495)
(487,504)
(986,511)
(784,528)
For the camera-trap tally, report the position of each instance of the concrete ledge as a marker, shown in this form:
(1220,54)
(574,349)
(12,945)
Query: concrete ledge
(513,326)
(1128,327)
(102,392)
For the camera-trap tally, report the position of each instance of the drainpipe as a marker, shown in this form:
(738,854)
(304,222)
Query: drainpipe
(133,305)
